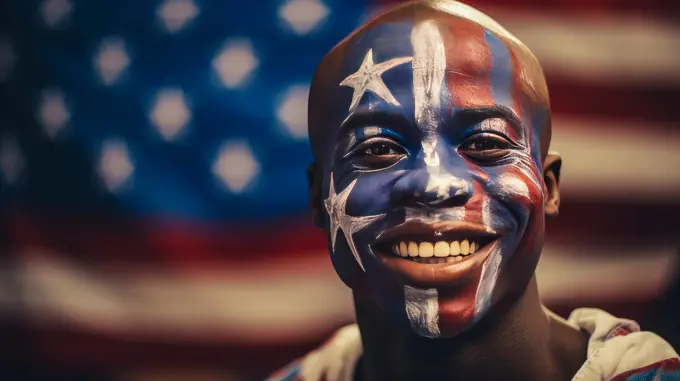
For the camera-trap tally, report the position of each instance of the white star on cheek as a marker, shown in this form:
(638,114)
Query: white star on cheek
(368,78)
(336,208)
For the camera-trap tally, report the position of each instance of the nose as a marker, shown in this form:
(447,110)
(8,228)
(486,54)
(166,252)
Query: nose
(431,187)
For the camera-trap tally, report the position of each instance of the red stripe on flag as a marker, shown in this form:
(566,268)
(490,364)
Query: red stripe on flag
(60,348)
(653,104)
(657,8)
(113,240)
(588,222)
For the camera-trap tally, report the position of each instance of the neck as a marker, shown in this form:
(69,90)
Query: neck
(519,341)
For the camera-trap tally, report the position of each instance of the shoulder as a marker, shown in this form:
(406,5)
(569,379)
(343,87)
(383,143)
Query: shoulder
(664,370)
(619,350)
(335,360)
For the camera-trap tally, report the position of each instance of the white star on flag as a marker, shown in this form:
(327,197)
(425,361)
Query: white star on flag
(368,78)
(335,206)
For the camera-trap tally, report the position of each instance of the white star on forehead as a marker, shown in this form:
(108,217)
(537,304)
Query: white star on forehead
(368,78)
(335,206)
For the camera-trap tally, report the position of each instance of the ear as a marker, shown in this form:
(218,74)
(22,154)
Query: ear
(551,178)
(315,205)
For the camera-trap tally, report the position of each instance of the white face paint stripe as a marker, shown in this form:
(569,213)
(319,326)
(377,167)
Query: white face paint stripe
(429,71)
(486,213)
(487,284)
(429,68)
(422,309)
(512,185)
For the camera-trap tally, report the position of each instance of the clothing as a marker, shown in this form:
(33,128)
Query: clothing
(617,351)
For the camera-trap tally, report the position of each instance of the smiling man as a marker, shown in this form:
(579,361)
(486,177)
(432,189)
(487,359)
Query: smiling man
(430,126)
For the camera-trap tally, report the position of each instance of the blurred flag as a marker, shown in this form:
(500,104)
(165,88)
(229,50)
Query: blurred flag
(152,166)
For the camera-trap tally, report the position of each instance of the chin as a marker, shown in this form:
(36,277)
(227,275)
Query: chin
(462,293)
(440,297)
(458,314)
(446,312)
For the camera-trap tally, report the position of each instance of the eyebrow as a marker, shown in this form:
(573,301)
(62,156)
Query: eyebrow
(466,116)
(373,118)
(478,114)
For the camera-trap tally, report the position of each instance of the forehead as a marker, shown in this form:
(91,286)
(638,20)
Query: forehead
(477,68)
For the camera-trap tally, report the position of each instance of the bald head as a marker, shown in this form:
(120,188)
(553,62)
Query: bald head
(477,61)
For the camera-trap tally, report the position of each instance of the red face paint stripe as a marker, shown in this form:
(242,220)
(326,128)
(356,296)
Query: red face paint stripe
(468,62)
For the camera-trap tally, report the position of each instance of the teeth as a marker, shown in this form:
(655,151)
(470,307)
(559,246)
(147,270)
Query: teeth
(452,251)
(402,249)
(412,249)
(425,250)
(441,249)
(465,247)
(455,248)
(457,258)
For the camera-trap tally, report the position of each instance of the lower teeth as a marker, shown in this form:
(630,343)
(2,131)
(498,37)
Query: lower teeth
(433,260)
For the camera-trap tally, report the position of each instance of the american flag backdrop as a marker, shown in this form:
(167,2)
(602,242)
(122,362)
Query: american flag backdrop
(152,173)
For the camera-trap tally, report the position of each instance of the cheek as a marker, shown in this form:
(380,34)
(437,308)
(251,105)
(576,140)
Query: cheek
(514,185)
(371,194)
(520,190)
(517,191)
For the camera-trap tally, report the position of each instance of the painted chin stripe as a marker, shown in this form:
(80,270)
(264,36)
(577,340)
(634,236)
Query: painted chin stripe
(422,309)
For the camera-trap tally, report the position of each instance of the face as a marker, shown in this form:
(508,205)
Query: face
(432,180)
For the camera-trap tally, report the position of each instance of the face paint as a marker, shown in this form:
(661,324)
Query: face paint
(335,206)
(367,78)
(422,309)
(441,206)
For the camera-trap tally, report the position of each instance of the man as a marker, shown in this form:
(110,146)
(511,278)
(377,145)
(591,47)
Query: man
(430,125)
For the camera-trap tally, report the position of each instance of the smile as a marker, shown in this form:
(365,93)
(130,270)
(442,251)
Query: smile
(435,253)
(440,242)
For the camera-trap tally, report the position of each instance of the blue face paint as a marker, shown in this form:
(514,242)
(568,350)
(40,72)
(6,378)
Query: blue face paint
(501,71)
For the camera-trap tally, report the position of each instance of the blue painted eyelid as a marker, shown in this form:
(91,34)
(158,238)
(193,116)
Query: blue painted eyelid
(372,131)
(365,133)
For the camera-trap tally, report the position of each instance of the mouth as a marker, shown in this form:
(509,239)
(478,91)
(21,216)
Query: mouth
(441,242)
(435,253)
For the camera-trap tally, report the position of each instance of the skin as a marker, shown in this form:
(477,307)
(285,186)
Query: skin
(431,124)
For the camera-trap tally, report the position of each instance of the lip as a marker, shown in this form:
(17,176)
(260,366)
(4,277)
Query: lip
(437,274)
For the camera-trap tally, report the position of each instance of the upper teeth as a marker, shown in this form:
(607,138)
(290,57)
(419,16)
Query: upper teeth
(436,249)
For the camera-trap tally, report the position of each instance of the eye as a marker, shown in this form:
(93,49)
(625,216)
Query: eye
(377,153)
(484,144)
(486,147)
(381,149)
